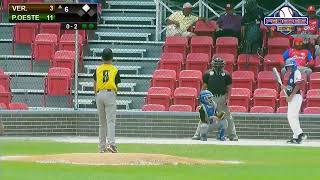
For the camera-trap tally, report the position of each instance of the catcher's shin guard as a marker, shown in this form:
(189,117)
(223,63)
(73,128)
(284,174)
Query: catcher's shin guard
(221,134)
(204,131)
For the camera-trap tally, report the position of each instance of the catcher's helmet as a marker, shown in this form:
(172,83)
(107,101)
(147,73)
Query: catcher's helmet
(291,62)
(206,98)
(217,62)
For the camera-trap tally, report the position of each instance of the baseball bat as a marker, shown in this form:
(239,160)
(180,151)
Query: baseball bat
(277,76)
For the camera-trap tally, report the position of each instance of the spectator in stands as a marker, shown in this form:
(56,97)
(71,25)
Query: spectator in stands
(313,27)
(302,56)
(180,21)
(317,51)
(251,34)
(229,24)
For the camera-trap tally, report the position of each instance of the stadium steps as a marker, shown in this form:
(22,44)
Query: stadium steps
(131,4)
(139,26)
(125,20)
(129,10)
(89,103)
(122,69)
(139,52)
(121,86)
(123,35)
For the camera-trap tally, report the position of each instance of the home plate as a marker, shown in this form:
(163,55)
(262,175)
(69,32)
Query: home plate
(114,159)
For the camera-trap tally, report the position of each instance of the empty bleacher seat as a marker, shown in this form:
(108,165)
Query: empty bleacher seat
(205,28)
(197,61)
(185,96)
(44,47)
(159,95)
(262,109)
(173,61)
(58,83)
(265,97)
(164,78)
(229,61)
(313,98)
(64,58)
(18,106)
(83,33)
(227,45)
(314,80)
(5,81)
(243,79)
(312,110)
(248,62)
(266,79)
(240,97)
(50,28)
(176,45)
(202,44)
(180,108)
(282,109)
(278,45)
(3,106)
(240,109)
(190,78)
(5,96)
(153,107)
(67,42)
(273,60)
(24,33)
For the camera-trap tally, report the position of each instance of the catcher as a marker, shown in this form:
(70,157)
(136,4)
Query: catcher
(209,118)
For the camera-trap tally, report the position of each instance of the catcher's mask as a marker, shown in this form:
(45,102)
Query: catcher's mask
(218,64)
(206,98)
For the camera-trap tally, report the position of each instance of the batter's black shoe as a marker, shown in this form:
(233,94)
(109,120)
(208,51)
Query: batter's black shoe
(112,148)
(301,138)
(293,141)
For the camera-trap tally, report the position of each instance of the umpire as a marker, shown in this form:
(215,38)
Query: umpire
(106,78)
(218,82)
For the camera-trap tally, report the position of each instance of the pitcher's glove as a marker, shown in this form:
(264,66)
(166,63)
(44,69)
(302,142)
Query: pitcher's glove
(220,115)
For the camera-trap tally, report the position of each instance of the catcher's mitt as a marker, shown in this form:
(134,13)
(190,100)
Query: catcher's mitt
(221,115)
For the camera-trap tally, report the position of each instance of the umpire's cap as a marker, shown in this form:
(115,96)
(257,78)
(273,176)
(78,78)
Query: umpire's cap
(107,54)
(217,61)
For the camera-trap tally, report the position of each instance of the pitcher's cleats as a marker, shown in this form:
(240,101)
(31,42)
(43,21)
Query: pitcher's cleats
(112,148)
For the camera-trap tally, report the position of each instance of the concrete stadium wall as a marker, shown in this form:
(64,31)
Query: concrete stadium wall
(147,124)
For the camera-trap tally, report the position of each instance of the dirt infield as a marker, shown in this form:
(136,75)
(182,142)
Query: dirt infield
(113,159)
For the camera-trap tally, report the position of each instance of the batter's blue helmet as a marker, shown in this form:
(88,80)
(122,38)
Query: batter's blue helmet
(206,98)
(291,62)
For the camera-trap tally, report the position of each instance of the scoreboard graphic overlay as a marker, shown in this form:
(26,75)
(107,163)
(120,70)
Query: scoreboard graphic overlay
(72,16)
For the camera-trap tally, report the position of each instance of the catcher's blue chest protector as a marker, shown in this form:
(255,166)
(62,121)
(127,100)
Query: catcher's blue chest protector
(206,112)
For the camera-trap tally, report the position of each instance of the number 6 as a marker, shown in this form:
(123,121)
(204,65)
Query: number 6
(66,9)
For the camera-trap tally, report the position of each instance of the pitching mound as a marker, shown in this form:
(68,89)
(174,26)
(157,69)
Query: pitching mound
(113,159)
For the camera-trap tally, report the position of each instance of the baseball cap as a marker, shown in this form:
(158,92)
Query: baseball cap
(187,5)
(311,9)
(298,40)
(228,7)
(107,54)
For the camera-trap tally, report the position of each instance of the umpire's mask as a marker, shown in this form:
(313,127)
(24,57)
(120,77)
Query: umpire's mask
(218,64)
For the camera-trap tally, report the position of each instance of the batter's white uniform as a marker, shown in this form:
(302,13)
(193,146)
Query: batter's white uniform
(295,104)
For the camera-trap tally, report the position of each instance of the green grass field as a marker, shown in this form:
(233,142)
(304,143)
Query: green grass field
(268,163)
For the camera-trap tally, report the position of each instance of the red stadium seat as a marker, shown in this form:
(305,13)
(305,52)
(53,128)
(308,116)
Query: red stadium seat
(24,33)
(203,28)
(278,45)
(282,109)
(202,44)
(266,79)
(67,42)
(240,97)
(180,108)
(5,96)
(51,28)
(229,61)
(314,80)
(5,81)
(262,109)
(18,106)
(273,60)
(197,61)
(247,62)
(164,78)
(44,47)
(1,71)
(176,45)
(83,33)
(243,79)
(190,78)
(3,106)
(64,59)
(153,107)
(265,97)
(58,83)
(304,83)
(173,61)
(312,110)
(159,95)
(227,45)
(185,96)
(240,109)
(313,98)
